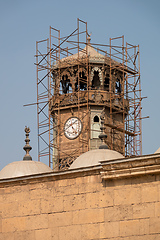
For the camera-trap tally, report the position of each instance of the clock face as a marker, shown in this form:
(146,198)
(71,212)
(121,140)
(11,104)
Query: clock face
(72,128)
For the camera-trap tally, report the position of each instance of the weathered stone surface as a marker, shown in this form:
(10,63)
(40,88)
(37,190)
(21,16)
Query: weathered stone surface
(154,225)
(150,193)
(127,195)
(42,234)
(129,228)
(81,206)
(109,230)
(25,235)
(144,210)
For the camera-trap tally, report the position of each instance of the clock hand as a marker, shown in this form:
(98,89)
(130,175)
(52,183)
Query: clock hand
(74,130)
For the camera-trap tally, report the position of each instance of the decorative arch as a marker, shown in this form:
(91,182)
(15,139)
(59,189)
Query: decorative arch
(95,127)
(65,81)
(97,69)
(82,74)
(65,72)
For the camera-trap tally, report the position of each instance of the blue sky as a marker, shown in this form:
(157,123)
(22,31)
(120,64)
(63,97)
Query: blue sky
(22,23)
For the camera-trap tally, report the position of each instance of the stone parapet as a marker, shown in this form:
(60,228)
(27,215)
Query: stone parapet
(131,167)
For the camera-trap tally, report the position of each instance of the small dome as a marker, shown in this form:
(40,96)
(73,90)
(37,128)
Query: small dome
(94,157)
(23,168)
(158,150)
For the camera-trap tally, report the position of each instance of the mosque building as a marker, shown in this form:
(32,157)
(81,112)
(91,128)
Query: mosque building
(98,185)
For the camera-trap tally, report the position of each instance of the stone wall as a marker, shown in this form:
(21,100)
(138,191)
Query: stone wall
(79,205)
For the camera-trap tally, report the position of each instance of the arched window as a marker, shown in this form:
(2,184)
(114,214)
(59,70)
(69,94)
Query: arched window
(66,86)
(96,119)
(96,81)
(95,127)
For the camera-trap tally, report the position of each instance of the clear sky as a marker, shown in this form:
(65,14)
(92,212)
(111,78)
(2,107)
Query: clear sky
(22,23)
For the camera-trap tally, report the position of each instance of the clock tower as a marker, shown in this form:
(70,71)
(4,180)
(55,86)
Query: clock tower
(84,83)
(79,80)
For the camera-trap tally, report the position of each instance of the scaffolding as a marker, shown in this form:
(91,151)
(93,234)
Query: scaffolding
(121,66)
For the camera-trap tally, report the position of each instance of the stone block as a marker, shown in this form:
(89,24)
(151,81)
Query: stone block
(70,190)
(143,180)
(42,234)
(52,205)
(7,236)
(127,195)
(55,233)
(16,196)
(70,233)
(14,224)
(120,183)
(144,210)
(88,216)
(149,193)
(79,180)
(37,185)
(153,237)
(128,228)
(41,193)
(63,182)
(74,202)
(82,188)
(92,200)
(157,209)
(106,198)
(25,235)
(95,179)
(92,187)
(117,213)
(89,184)
(10,209)
(90,231)
(37,222)
(70,181)
(58,191)
(109,230)
(154,225)
(143,226)
(60,219)
(29,207)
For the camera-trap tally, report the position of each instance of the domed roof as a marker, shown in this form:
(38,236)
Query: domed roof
(94,157)
(91,52)
(158,150)
(93,55)
(23,168)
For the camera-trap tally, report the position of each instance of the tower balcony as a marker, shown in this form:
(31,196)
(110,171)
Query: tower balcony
(91,97)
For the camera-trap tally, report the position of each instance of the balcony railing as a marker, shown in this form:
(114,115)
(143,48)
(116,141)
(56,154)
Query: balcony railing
(92,96)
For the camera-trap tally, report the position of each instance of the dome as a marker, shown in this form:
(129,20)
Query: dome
(93,55)
(23,168)
(94,157)
(158,150)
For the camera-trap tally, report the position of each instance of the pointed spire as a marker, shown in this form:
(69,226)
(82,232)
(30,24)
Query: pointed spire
(103,136)
(27,147)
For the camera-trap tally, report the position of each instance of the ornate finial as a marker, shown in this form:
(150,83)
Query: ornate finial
(27,147)
(89,38)
(103,136)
